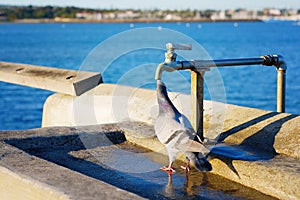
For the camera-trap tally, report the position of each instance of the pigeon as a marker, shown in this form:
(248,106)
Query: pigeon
(174,130)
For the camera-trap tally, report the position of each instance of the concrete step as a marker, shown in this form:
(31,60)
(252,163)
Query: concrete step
(64,81)
(26,176)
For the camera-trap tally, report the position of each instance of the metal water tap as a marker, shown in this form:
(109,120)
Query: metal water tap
(170,64)
(170,55)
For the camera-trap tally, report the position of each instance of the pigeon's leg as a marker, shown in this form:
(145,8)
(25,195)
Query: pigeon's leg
(187,167)
(172,155)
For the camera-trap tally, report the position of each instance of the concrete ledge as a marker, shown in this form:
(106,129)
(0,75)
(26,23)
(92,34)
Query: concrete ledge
(14,186)
(109,103)
(54,79)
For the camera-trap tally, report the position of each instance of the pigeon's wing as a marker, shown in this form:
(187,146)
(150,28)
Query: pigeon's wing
(185,143)
(166,127)
(192,146)
(173,131)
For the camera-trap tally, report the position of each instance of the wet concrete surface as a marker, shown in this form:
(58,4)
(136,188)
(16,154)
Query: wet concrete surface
(110,158)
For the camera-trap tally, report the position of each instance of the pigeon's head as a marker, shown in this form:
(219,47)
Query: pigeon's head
(165,104)
(161,89)
(162,96)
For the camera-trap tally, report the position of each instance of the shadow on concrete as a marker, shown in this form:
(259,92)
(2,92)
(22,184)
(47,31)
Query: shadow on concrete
(264,139)
(261,141)
(259,146)
(240,127)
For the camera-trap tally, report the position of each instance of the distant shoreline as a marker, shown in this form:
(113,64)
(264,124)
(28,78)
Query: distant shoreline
(73,20)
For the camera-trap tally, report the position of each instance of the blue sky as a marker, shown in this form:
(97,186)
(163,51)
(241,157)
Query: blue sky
(163,4)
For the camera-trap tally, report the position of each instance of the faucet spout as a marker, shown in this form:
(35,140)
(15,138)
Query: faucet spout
(169,67)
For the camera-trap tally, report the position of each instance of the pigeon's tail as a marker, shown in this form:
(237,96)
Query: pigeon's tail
(199,161)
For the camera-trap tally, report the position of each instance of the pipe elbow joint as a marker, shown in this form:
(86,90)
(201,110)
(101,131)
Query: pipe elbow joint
(275,60)
(280,63)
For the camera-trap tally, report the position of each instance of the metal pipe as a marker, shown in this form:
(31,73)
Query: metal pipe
(281,82)
(197,97)
(227,62)
(281,90)
(206,64)
(200,65)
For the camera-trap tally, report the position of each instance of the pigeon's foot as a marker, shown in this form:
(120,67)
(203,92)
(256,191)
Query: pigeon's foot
(169,169)
(187,168)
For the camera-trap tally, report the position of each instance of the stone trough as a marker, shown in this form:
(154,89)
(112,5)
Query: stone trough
(101,162)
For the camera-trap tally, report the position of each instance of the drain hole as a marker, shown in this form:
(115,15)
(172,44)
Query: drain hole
(19,70)
(70,77)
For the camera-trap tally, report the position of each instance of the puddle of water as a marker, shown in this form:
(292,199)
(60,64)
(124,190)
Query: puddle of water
(141,167)
(133,168)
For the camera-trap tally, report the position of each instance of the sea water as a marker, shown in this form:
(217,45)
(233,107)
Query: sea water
(69,46)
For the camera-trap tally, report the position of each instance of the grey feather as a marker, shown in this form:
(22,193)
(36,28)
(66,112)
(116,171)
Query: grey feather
(174,130)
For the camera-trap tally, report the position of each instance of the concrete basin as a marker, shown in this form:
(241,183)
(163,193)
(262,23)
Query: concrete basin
(102,162)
